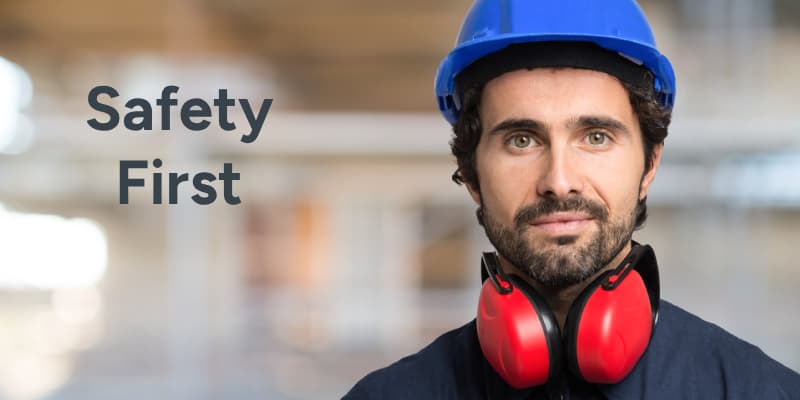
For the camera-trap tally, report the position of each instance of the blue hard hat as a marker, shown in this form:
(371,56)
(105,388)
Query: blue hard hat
(492,25)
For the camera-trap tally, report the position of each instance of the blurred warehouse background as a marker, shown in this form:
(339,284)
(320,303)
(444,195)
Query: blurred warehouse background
(351,247)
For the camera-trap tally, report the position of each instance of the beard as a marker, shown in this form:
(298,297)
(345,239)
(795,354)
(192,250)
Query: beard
(567,263)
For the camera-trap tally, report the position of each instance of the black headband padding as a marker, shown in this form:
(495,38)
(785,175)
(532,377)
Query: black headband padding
(532,55)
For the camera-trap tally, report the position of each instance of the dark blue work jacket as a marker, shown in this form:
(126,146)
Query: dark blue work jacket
(687,358)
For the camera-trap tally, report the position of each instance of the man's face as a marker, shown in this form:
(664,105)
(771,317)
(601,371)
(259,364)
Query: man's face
(560,165)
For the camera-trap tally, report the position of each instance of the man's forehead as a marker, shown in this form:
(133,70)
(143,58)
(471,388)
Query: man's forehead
(554,95)
(558,72)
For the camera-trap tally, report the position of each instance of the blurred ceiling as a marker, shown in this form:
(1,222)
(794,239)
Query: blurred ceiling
(330,55)
(358,55)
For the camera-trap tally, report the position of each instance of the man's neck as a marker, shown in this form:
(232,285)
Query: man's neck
(560,300)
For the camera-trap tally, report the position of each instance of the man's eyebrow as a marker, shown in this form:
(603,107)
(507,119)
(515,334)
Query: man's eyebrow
(596,121)
(519,123)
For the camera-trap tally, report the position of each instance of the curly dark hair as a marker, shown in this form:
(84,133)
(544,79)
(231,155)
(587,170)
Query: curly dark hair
(653,122)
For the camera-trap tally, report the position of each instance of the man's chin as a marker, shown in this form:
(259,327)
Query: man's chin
(565,240)
(560,242)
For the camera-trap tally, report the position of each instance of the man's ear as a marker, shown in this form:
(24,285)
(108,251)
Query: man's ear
(648,178)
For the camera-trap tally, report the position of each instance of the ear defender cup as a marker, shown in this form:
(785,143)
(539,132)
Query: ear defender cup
(608,330)
(608,326)
(518,334)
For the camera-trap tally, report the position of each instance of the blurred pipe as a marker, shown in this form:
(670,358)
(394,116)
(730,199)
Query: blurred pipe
(188,238)
(187,293)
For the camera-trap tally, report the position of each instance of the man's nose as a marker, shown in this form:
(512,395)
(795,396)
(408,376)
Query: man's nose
(560,175)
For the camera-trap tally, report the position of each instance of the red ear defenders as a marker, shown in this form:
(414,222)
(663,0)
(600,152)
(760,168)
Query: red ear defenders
(607,330)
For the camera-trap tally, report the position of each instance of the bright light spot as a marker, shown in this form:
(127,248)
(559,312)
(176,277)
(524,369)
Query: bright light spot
(28,376)
(17,94)
(48,335)
(38,346)
(45,334)
(50,252)
(76,306)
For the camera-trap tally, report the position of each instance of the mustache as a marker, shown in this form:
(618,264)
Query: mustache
(549,205)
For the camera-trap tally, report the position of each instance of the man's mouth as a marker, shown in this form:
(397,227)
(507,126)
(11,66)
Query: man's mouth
(562,223)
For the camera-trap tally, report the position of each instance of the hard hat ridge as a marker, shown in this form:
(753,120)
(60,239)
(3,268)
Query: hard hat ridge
(492,25)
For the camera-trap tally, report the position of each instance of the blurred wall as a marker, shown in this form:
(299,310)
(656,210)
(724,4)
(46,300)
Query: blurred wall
(351,247)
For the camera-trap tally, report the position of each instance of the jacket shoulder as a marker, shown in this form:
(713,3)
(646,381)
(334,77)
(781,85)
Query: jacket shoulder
(690,355)
(430,373)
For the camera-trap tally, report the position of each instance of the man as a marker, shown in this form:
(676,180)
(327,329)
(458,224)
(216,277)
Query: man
(560,109)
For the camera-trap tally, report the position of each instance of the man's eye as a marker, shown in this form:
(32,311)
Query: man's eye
(522,141)
(596,138)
